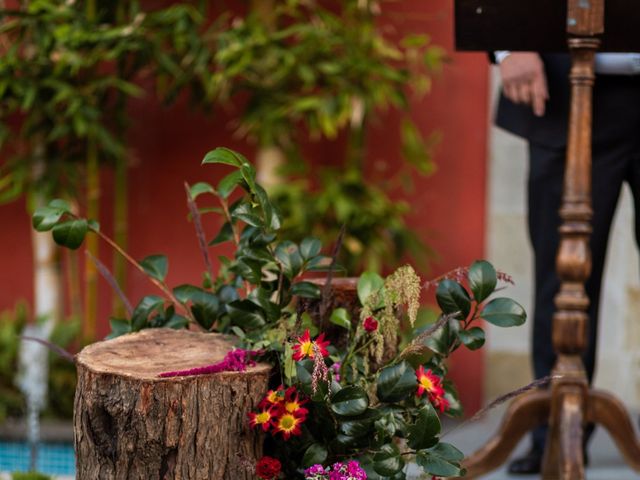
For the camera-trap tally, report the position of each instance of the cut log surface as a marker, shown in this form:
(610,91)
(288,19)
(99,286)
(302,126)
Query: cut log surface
(131,424)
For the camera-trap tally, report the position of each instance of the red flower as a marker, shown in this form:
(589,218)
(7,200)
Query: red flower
(304,347)
(273,397)
(263,417)
(370,324)
(293,404)
(288,424)
(430,383)
(268,468)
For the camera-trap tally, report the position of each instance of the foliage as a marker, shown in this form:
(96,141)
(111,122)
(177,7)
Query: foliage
(249,292)
(320,70)
(62,374)
(65,69)
(368,401)
(11,325)
(29,476)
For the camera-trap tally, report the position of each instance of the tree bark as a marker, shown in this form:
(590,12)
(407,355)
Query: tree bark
(131,424)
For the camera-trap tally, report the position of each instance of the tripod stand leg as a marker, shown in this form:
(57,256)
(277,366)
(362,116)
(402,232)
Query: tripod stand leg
(608,411)
(564,458)
(524,413)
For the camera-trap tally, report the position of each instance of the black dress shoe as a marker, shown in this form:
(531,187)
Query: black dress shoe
(531,463)
(528,464)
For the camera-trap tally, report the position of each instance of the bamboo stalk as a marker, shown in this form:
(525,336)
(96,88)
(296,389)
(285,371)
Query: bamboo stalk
(120,230)
(90,270)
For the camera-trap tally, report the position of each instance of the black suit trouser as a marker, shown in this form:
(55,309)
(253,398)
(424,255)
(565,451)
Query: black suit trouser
(612,165)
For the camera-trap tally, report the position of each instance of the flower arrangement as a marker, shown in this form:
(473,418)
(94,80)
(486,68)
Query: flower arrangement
(354,412)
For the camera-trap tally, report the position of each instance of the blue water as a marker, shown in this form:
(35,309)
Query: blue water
(52,459)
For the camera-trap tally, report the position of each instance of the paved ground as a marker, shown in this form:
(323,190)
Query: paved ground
(605,461)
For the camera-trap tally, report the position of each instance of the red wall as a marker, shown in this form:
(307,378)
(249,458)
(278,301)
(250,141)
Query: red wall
(167,145)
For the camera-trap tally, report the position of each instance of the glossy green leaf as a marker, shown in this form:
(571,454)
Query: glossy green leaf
(248,215)
(387,461)
(341,317)
(225,156)
(504,312)
(482,280)
(316,453)
(310,247)
(361,425)
(119,326)
(228,184)
(452,297)
(156,266)
(306,290)
(434,463)
(44,218)
(396,382)
(368,283)
(246,314)
(473,338)
(350,401)
(289,257)
(225,234)
(143,310)
(70,233)
(304,371)
(424,432)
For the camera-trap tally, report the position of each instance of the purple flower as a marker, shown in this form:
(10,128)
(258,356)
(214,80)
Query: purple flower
(315,472)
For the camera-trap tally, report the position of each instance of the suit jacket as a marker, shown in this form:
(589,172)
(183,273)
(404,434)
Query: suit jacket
(616,108)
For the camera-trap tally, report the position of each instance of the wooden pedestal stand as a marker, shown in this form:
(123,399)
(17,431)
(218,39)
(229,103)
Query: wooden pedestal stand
(569,404)
(129,424)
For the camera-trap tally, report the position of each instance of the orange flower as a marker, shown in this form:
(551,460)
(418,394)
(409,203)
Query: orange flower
(293,404)
(304,347)
(288,424)
(263,417)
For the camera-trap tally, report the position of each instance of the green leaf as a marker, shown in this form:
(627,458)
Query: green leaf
(71,233)
(306,290)
(388,461)
(177,322)
(444,337)
(143,310)
(424,433)
(482,280)
(368,283)
(225,234)
(316,453)
(60,204)
(350,401)
(224,156)
(246,314)
(156,266)
(247,214)
(435,462)
(504,312)
(200,188)
(473,338)
(45,218)
(289,257)
(396,382)
(310,247)
(451,298)
(119,326)
(228,184)
(341,317)
(360,426)
(448,452)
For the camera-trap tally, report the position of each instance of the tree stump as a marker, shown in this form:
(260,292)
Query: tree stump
(131,424)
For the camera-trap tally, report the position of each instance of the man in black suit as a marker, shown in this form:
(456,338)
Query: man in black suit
(535,105)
